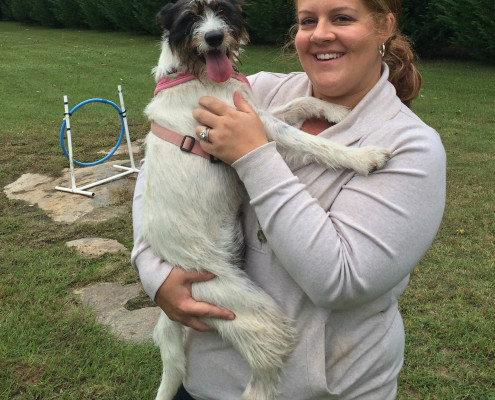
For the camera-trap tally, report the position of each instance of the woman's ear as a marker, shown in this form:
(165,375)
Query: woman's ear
(389,26)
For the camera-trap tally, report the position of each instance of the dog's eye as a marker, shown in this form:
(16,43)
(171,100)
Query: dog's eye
(221,11)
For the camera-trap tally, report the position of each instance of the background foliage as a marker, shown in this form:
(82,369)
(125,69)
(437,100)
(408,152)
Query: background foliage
(438,28)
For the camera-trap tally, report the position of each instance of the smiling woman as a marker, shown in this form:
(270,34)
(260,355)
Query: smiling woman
(333,249)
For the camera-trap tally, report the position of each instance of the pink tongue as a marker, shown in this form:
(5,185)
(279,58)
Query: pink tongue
(218,66)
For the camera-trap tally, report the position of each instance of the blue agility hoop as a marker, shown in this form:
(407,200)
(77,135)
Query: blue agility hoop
(122,131)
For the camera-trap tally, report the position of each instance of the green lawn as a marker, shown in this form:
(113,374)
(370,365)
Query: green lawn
(52,348)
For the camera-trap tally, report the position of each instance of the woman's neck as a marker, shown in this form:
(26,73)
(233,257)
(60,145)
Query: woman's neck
(314,126)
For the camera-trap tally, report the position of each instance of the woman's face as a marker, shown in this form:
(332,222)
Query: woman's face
(337,43)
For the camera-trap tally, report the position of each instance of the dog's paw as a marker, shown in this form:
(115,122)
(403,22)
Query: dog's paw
(370,159)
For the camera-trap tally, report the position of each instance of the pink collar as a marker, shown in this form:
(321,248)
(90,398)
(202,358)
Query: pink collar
(185,76)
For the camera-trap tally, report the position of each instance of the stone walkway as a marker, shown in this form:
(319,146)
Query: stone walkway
(128,312)
(39,190)
(108,301)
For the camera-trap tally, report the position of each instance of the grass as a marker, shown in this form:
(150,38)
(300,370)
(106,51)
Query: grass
(52,348)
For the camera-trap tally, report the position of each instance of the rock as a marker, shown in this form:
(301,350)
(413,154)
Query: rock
(68,207)
(96,246)
(136,147)
(108,300)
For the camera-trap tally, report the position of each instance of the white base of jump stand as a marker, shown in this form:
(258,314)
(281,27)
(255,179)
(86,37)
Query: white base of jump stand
(127,170)
(83,189)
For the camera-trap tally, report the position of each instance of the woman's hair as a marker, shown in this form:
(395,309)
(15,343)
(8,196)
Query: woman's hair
(399,55)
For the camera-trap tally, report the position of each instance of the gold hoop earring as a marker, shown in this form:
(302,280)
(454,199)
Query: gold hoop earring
(381,49)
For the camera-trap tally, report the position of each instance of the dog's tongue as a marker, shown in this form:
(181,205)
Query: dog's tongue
(218,66)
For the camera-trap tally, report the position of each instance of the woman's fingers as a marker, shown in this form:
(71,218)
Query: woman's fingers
(175,298)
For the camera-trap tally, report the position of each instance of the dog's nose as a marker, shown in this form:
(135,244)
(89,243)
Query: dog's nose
(214,38)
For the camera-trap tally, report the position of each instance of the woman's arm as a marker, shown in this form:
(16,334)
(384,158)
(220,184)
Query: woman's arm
(374,233)
(376,230)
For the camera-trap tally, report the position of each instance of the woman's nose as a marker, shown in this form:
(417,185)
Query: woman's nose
(323,32)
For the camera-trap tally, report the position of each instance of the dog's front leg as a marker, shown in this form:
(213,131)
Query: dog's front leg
(302,108)
(169,336)
(300,146)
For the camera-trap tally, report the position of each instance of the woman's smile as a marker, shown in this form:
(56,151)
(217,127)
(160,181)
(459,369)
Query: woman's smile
(328,56)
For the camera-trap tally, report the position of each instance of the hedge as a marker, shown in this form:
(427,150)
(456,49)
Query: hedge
(473,25)
(437,27)
(269,21)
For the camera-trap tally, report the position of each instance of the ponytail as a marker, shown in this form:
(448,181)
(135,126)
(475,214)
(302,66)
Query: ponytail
(405,77)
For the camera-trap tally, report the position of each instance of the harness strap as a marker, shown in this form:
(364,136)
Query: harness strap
(187,144)
(185,76)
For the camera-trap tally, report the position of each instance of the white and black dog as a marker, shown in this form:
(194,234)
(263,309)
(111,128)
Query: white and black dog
(191,205)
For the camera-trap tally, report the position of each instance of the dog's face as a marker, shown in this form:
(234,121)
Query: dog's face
(205,35)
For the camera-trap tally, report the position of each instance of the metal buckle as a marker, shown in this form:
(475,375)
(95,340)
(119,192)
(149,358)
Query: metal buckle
(185,149)
(214,160)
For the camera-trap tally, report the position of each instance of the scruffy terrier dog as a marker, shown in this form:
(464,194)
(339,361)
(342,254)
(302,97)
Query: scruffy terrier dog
(191,205)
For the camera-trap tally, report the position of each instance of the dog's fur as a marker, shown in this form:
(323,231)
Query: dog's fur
(191,206)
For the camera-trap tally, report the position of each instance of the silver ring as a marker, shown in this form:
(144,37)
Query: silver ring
(204,134)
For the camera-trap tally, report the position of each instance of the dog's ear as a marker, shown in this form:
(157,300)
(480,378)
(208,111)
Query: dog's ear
(165,17)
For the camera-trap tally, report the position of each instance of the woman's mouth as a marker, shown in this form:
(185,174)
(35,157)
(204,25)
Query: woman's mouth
(328,56)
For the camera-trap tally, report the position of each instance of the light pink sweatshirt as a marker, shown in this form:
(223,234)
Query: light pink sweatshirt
(339,251)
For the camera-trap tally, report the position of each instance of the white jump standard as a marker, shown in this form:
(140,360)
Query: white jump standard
(67,128)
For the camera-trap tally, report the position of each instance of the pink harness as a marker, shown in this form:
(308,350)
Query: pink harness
(186,143)
(185,76)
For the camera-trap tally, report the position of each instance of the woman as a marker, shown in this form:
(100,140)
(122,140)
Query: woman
(337,249)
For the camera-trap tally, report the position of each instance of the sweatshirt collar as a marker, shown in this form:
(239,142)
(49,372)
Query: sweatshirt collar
(379,105)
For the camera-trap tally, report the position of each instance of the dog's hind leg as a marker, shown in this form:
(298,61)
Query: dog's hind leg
(169,336)
(261,332)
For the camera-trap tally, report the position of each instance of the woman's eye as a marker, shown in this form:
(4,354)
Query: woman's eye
(341,18)
(307,21)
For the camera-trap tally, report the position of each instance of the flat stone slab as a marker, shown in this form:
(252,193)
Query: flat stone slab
(64,207)
(96,246)
(108,301)
(136,147)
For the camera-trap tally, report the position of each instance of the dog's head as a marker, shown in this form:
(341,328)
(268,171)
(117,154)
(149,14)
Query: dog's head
(205,35)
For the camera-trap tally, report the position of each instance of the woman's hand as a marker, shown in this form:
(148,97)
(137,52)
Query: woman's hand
(174,297)
(233,132)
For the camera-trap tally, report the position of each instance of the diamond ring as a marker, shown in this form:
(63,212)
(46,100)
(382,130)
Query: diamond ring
(204,134)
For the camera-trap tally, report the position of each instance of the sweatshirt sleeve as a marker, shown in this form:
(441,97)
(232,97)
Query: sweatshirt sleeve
(374,233)
(152,270)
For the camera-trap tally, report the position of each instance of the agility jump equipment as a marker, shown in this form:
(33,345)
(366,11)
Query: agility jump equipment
(83,190)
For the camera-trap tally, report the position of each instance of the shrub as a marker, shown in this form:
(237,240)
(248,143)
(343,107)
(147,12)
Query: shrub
(451,27)
(16,10)
(40,11)
(423,22)
(68,13)
(145,12)
(120,14)
(92,15)
(269,21)
(473,26)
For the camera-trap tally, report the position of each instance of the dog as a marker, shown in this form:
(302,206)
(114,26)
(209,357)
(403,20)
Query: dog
(191,203)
